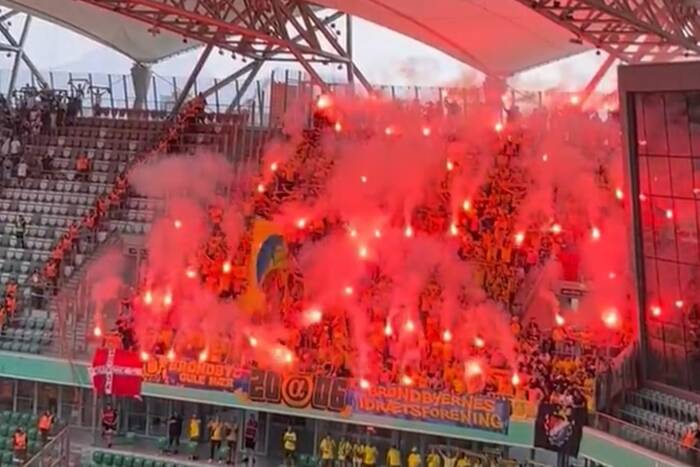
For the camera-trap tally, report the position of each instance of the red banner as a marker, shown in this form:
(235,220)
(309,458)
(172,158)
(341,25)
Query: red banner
(116,373)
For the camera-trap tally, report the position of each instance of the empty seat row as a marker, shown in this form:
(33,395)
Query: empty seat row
(72,153)
(667,404)
(48,196)
(651,420)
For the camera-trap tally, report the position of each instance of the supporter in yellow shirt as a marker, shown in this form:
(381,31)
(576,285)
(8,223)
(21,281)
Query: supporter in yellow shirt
(370,459)
(393,457)
(433,459)
(344,452)
(462,461)
(358,451)
(327,448)
(414,459)
(289,441)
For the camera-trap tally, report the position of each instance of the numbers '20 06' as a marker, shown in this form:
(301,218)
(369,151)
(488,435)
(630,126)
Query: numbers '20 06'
(299,391)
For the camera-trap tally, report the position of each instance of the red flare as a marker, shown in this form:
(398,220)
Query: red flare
(473,368)
(611,318)
(144,356)
(447,335)
(324,102)
(226,267)
(148,297)
(171,355)
(388,330)
(479,342)
(656,311)
(364,384)
(177,223)
(410,326)
(97,331)
(261,188)
(426,131)
(515,379)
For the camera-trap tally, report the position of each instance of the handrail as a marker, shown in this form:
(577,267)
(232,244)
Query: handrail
(54,453)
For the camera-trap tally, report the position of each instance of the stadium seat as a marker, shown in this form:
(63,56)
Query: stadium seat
(107,459)
(97,457)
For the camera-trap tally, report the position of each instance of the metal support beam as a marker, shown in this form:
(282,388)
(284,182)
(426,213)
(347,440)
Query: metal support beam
(348,49)
(14,44)
(663,28)
(244,87)
(597,78)
(182,97)
(259,30)
(18,55)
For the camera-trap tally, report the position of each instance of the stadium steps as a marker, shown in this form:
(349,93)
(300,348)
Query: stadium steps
(78,325)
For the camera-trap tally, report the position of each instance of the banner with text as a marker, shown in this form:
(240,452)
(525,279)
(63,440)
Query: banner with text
(481,413)
(302,391)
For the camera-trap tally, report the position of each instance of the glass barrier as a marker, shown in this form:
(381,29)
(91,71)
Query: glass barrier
(651,440)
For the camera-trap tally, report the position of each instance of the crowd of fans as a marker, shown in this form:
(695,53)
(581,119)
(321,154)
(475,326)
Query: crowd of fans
(554,364)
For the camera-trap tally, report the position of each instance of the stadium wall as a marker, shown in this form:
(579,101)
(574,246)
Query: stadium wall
(597,446)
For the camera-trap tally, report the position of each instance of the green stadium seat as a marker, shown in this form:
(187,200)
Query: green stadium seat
(97,457)
(16,346)
(148,463)
(138,462)
(5,443)
(313,460)
(6,345)
(24,418)
(162,443)
(128,461)
(107,458)
(158,464)
(24,347)
(189,448)
(6,415)
(32,434)
(7,458)
(222,455)
(118,460)
(303,459)
(5,428)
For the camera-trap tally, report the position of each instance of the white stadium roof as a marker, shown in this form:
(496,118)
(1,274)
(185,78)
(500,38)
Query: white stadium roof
(499,36)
